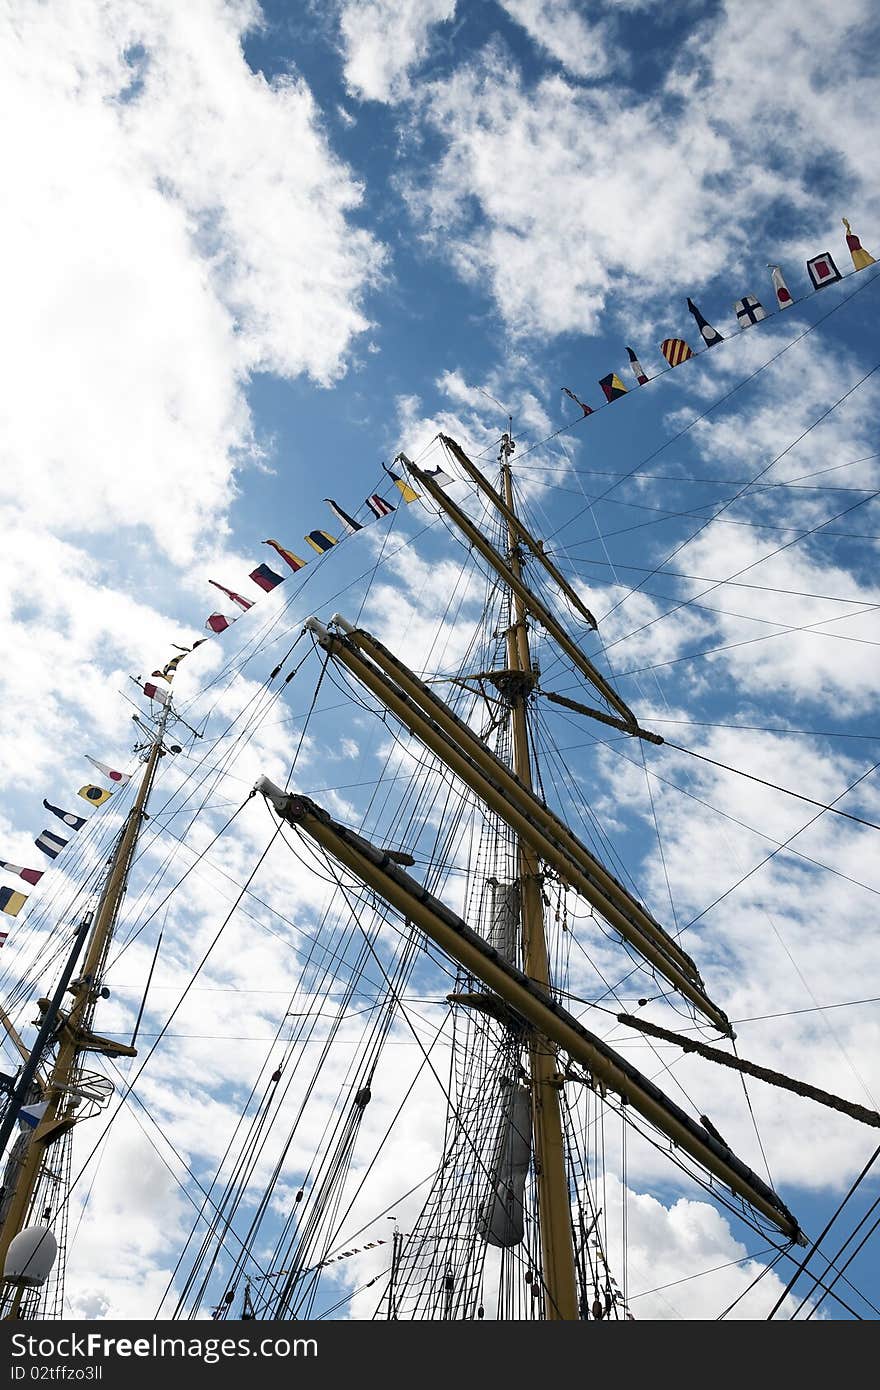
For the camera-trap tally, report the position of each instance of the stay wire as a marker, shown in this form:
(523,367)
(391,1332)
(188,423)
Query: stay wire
(802,1264)
(572,424)
(709,520)
(840,1273)
(775,786)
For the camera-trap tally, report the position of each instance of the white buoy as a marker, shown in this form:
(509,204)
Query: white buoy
(30,1257)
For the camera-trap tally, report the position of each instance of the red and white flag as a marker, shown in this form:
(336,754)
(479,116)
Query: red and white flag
(780,288)
(244,603)
(153,692)
(218,622)
(378,506)
(822,270)
(29,875)
(114,776)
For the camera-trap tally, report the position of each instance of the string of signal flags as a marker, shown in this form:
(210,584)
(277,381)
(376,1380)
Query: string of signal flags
(12,900)
(51,844)
(749,310)
(821,270)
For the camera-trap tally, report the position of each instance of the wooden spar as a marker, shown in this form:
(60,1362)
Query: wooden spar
(75,1031)
(531,601)
(501,801)
(374,868)
(775,1078)
(601,716)
(516,525)
(523,796)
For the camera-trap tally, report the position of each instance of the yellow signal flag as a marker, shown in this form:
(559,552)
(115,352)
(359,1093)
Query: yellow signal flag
(12,902)
(407,493)
(861,258)
(97,795)
(675,350)
(296,562)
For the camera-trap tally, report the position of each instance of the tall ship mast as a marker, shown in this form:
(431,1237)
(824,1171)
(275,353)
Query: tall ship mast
(461,886)
(59,1081)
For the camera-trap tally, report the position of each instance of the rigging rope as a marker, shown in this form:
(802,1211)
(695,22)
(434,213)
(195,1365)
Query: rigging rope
(799,796)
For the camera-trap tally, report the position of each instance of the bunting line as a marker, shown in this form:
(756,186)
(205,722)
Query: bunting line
(821,269)
(748,311)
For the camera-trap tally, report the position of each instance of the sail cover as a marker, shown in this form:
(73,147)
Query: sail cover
(504,921)
(503,1219)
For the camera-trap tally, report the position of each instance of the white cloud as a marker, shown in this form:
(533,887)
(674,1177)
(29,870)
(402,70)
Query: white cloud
(384,40)
(170,207)
(558,27)
(781,940)
(576,191)
(807,665)
(553,197)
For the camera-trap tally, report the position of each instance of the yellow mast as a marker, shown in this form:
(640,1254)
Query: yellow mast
(554,1203)
(539,836)
(74,1030)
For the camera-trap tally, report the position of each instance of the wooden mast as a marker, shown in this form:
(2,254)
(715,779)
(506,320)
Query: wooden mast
(74,1026)
(538,836)
(554,1203)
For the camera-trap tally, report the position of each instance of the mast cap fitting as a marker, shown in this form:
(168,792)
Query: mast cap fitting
(315,625)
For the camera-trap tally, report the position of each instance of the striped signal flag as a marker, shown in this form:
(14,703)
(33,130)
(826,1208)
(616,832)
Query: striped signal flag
(378,506)
(321,541)
(348,523)
(675,350)
(168,670)
(637,368)
(29,875)
(295,561)
(50,844)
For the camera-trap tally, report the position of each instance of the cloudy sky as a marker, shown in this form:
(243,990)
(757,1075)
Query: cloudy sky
(251,253)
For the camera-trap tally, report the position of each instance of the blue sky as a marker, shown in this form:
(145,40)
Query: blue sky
(258,252)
